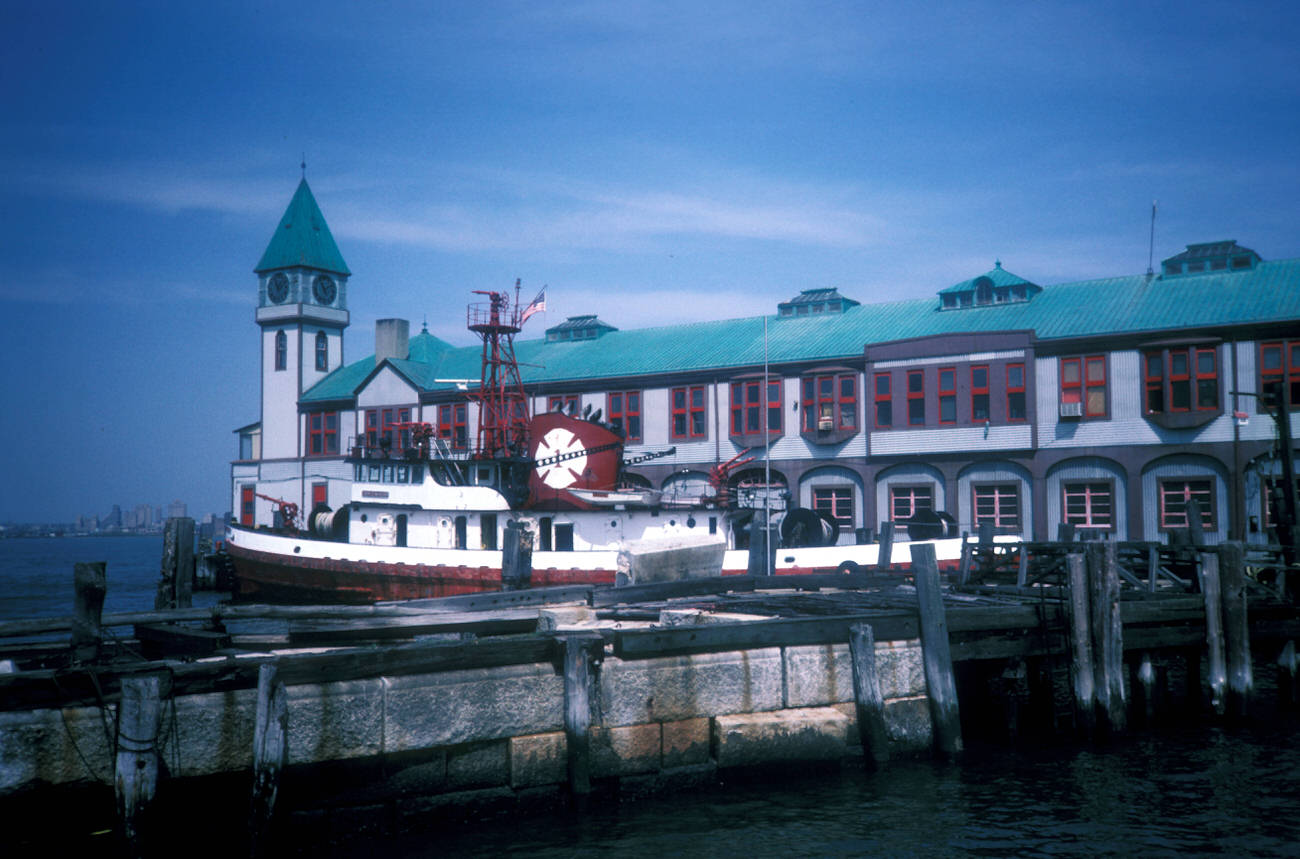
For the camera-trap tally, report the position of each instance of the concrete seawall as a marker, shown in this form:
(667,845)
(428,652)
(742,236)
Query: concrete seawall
(501,730)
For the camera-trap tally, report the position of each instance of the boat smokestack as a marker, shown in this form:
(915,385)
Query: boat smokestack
(392,340)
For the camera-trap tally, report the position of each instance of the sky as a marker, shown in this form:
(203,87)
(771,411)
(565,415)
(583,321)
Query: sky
(650,162)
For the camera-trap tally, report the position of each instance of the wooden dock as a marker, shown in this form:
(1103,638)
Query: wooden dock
(569,691)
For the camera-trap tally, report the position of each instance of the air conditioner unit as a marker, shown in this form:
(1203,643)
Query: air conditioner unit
(1071,410)
(825,424)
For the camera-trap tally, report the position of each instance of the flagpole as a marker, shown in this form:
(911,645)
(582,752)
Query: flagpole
(767,461)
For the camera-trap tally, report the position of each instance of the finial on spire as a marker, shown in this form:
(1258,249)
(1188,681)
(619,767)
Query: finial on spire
(997,263)
(303,165)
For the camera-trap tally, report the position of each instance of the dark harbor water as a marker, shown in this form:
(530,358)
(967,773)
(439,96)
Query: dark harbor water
(1200,790)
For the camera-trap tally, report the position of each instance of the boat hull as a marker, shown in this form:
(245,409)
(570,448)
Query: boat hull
(295,568)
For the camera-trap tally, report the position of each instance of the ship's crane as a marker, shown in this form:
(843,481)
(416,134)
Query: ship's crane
(287,509)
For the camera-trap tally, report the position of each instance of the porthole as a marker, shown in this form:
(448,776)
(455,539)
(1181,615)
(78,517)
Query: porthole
(690,523)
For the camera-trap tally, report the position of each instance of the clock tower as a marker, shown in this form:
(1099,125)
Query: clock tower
(301,310)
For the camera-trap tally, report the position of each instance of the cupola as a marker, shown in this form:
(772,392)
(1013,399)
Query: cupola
(997,286)
(1210,257)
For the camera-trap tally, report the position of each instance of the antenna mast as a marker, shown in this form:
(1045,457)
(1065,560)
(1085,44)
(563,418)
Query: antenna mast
(503,408)
(1151,248)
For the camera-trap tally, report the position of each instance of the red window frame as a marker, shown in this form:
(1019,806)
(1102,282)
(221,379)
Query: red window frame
(322,433)
(453,427)
(916,398)
(1081,379)
(1182,380)
(247,503)
(947,395)
(687,413)
(836,502)
(747,407)
(996,504)
(884,401)
(980,404)
(1088,504)
(1017,407)
(1177,492)
(1284,375)
(909,500)
(830,397)
(566,402)
(623,410)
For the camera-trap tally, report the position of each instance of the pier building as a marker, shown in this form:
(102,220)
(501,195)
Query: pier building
(1107,404)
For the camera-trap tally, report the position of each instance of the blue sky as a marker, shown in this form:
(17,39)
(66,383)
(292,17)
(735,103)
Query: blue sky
(649,162)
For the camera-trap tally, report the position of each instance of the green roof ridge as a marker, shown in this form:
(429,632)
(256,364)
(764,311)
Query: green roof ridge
(303,238)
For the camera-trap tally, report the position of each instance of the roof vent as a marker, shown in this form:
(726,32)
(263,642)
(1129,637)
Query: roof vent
(1208,257)
(998,286)
(812,302)
(586,327)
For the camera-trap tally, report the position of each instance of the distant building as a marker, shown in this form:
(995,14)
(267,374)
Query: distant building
(1106,404)
(176,510)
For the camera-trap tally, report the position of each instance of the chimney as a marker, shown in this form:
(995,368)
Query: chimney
(392,340)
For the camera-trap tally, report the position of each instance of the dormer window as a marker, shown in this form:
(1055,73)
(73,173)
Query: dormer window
(815,302)
(996,287)
(578,328)
(1210,256)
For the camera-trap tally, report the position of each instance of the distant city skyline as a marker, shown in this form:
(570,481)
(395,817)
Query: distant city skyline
(649,163)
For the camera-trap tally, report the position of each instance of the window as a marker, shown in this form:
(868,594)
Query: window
(688,413)
(916,398)
(322,352)
(623,410)
(487,531)
(281,350)
(997,504)
(1182,379)
(1083,381)
(748,407)
(388,428)
(451,425)
(906,501)
(830,402)
(884,401)
(1089,505)
(979,393)
(1279,367)
(835,502)
(1177,493)
(947,395)
(567,403)
(1016,392)
(322,433)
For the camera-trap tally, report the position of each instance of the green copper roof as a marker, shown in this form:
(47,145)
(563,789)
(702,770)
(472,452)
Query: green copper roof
(1135,304)
(303,238)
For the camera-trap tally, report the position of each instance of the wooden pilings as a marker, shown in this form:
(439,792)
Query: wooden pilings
(176,582)
(91,584)
(1216,665)
(270,750)
(866,693)
(939,680)
(579,681)
(135,776)
(885,557)
(1107,633)
(1236,626)
(1081,673)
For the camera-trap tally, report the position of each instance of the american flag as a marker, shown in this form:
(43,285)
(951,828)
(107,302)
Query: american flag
(537,305)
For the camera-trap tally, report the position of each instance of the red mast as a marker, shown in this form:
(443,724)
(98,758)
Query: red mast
(503,408)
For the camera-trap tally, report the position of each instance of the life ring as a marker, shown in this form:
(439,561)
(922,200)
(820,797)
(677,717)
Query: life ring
(848,568)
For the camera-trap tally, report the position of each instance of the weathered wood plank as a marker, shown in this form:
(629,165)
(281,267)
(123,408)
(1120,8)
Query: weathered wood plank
(135,774)
(867,696)
(270,751)
(647,643)
(941,685)
(1236,626)
(579,691)
(90,583)
(1217,676)
(1082,677)
(502,622)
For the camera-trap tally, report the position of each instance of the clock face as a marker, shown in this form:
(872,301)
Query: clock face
(278,289)
(324,289)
